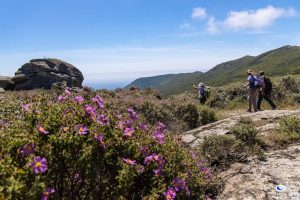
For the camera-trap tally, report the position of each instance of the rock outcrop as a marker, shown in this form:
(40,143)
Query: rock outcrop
(43,73)
(6,83)
(257,180)
(264,121)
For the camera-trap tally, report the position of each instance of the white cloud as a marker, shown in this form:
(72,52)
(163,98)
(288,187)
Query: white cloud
(212,25)
(258,19)
(199,13)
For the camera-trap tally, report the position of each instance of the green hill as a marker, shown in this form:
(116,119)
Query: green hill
(281,61)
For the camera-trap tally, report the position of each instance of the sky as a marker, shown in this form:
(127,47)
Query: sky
(114,42)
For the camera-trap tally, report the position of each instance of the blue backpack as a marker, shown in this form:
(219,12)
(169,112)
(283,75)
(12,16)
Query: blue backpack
(257,81)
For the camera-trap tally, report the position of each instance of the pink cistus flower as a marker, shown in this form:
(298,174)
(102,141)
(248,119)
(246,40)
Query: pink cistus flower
(145,151)
(102,120)
(67,92)
(128,132)
(179,184)
(60,98)
(157,172)
(39,165)
(83,130)
(159,137)
(91,111)
(170,194)
(79,99)
(99,101)
(42,130)
(25,107)
(160,127)
(132,114)
(47,194)
(27,149)
(99,139)
(129,162)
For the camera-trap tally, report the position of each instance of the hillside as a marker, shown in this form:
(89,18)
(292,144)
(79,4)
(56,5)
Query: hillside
(281,61)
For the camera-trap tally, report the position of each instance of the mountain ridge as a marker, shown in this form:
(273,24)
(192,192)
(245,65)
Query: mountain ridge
(280,61)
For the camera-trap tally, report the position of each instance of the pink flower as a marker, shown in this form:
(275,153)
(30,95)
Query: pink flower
(25,107)
(60,98)
(83,130)
(132,114)
(99,138)
(99,101)
(128,161)
(128,132)
(67,92)
(39,165)
(170,194)
(47,194)
(102,120)
(159,137)
(42,130)
(79,99)
(27,149)
(157,172)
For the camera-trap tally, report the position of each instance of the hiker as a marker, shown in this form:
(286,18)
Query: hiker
(202,92)
(252,91)
(265,93)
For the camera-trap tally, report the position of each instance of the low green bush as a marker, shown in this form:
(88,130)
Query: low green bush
(290,125)
(222,150)
(207,115)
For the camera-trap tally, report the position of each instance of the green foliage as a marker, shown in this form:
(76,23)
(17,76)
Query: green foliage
(207,115)
(189,114)
(82,166)
(222,150)
(288,133)
(245,133)
(290,125)
(281,61)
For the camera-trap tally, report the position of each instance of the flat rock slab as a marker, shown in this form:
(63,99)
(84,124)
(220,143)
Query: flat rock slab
(257,180)
(265,120)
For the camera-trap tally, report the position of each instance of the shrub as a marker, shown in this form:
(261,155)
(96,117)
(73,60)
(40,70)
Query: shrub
(207,115)
(246,133)
(78,148)
(222,150)
(246,120)
(188,113)
(290,125)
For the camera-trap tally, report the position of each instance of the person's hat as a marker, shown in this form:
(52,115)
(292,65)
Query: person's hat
(200,84)
(249,71)
(261,73)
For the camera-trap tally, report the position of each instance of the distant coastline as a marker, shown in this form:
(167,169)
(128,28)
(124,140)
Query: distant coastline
(107,85)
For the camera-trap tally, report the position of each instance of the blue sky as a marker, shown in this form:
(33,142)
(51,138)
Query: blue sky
(120,40)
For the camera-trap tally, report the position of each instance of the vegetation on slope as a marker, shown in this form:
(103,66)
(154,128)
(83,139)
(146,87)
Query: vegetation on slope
(281,61)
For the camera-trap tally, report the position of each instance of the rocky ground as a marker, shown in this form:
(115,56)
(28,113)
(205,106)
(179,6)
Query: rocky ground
(257,180)
(265,121)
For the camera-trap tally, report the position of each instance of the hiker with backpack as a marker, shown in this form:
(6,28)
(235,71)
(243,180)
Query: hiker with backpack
(266,92)
(203,93)
(253,87)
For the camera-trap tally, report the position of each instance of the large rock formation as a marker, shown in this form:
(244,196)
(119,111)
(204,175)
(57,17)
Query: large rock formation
(6,83)
(43,73)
